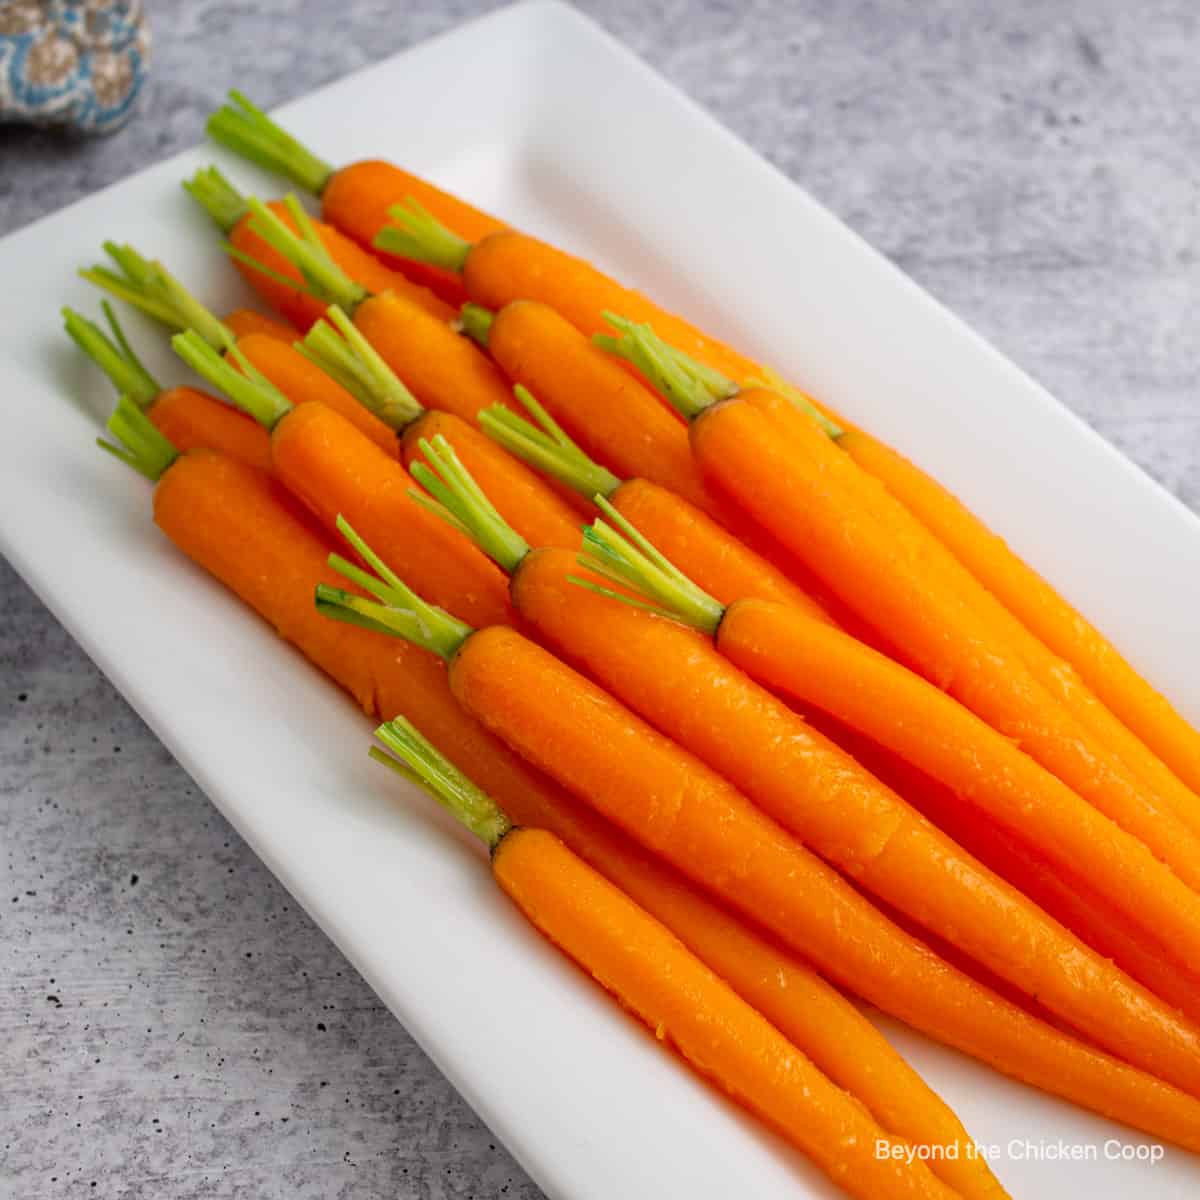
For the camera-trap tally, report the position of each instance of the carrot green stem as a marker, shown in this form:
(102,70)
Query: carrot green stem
(138,443)
(630,560)
(416,758)
(419,235)
(547,449)
(248,131)
(476,322)
(460,501)
(396,610)
(113,355)
(217,196)
(149,286)
(243,383)
(357,366)
(305,251)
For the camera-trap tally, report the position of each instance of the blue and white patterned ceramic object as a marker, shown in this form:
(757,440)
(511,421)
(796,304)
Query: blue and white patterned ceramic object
(73,63)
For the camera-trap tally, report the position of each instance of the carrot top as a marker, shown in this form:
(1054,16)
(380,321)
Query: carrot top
(354,363)
(138,443)
(417,759)
(150,287)
(476,322)
(396,610)
(546,446)
(113,355)
(217,196)
(420,236)
(244,383)
(247,130)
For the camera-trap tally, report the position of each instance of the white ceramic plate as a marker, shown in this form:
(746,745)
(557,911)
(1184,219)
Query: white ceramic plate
(590,1105)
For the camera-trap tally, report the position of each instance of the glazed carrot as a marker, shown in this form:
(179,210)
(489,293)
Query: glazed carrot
(1045,613)
(189,418)
(354,199)
(245,320)
(333,468)
(281,286)
(784,470)
(653,975)
(681,810)
(687,688)
(704,550)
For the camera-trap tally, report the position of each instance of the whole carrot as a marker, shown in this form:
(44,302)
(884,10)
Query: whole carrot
(332,468)
(281,286)
(354,199)
(653,975)
(778,462)
(188,418)
(689,691)
(1046,614)
(679,809)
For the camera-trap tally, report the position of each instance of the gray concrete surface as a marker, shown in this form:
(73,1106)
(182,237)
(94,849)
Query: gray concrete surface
(170,1024)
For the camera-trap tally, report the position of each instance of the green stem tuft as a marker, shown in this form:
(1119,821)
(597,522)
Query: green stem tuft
(417,759)
(458,499)
(630,560)
(547,449)
(149,286)
(244,384)
(476,322)
(217,196)
(354,363)
(419,235)
(397,610)
(248,131)
(689,386)
(138,443)
(114,356)
(305,251)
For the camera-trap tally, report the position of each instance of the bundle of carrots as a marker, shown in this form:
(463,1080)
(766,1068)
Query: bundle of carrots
(786,724)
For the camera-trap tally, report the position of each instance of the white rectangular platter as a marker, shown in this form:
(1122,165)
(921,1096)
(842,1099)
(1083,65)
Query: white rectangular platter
(591,1106)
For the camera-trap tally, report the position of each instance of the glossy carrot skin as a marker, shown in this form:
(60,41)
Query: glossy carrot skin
(356,201)
(442,369)
(194,420)
(527,504)
(680,810)
(334,470)
(303,382)
(785,471)
(297,307)
(1157,729)
(727,1041)
(245,320)
(682,684)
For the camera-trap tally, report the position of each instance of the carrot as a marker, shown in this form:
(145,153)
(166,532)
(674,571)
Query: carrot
(332,468)
(1050,618)
(706,551)
(679,809)
(653,975)
(279,288)
(354,199)
(242,321)
(778,461)
(187,417)
(688,690)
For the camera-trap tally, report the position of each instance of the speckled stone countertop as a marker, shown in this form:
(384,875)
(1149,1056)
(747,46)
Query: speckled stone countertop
(170,1024)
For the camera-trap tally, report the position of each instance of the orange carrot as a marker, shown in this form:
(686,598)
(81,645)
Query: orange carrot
(778,461)
(245,320)
(333,468)
(681,810)
(189,418)
(1048,617)
(354,199)
(655,976)
(282,287)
